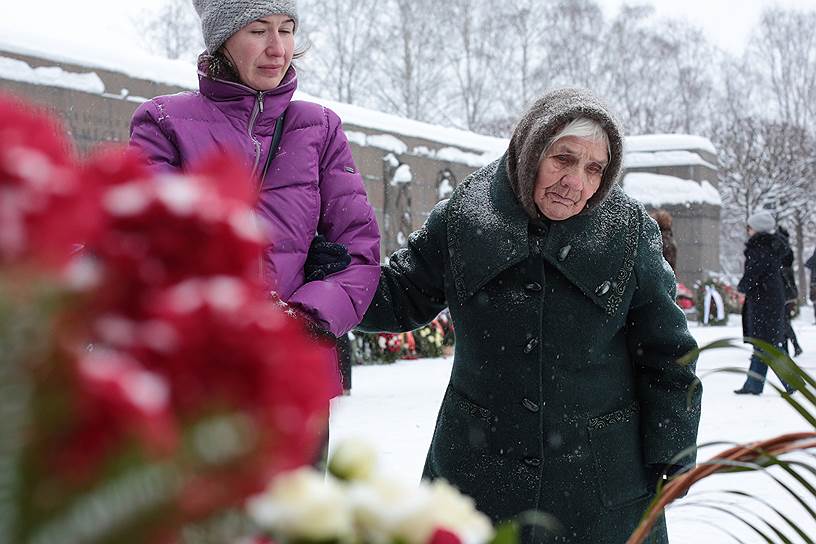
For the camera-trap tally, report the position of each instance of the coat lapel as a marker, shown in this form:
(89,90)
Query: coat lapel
(487,229)
(488,233)
(597,251)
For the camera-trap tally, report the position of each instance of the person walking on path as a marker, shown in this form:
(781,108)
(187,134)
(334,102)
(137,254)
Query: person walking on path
(764,308)
(791,293)
(565,395)
(307,182)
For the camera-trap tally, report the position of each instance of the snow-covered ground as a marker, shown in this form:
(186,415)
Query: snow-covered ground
(394,407)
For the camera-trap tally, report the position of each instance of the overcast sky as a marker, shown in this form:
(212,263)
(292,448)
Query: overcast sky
(726,22)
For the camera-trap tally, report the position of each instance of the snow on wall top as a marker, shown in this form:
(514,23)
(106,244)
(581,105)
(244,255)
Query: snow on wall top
(17,70)
(659,190)
(479,150)
(668,142)
(665,158)
(133,63)
(183,74)
(377,120)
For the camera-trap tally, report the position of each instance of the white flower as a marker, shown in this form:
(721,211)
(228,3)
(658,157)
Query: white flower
(380,506)
(303,505)
(353,460)
(388,511)
(443,507)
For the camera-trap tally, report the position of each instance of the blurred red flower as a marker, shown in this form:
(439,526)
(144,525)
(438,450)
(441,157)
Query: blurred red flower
(45,208)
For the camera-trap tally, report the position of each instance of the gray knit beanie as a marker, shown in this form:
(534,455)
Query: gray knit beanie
(220,19)
(541,122)
(762,221)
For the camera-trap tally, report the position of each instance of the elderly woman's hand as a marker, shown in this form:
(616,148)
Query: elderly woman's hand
(325,258)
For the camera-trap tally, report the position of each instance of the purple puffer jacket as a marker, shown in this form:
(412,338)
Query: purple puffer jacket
(312,185)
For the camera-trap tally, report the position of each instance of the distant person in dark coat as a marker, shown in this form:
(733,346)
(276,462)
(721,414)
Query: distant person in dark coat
(811,263)
(791,293)
(763,312)
(664,222)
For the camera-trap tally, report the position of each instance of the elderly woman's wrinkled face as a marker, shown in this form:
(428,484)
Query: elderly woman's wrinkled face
(262,51)
(568,175)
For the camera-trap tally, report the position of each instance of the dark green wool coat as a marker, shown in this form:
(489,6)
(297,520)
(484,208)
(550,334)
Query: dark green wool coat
(564,385)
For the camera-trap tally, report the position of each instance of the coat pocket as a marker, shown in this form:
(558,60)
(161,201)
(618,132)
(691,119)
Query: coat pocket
(463,431)
(461,447)
(475,423)
(617,452)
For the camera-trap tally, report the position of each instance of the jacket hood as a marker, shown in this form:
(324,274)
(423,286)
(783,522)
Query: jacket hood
(540,123)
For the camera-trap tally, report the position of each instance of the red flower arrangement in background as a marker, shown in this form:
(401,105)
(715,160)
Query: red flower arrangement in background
(159,375)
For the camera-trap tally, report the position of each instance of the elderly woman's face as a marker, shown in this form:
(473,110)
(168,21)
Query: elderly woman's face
(568,176)
(262,51)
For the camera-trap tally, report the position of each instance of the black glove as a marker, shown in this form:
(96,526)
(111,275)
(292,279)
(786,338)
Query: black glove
(325,258)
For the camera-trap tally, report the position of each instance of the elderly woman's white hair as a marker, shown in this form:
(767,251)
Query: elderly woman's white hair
(582,127)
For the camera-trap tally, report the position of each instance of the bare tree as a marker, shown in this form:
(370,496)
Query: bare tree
(572,37)
(523,51)
(784,49)
(343,34)
(173,31)
(409,63)
(692,82)
(764,164)
(637,61)
(473,54)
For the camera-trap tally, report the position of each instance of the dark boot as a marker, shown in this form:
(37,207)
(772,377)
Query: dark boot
(743,391)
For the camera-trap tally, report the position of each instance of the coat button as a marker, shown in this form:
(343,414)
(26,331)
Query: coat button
(532,461)
(534,287)
(603,288)
(531,345)
(562,255)
(530,405)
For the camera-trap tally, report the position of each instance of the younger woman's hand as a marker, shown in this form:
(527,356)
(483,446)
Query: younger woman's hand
(325,258)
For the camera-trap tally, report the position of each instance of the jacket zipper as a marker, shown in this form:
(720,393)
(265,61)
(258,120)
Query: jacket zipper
(258,109)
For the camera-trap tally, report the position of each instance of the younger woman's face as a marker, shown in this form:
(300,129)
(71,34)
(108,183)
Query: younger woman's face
(262,51)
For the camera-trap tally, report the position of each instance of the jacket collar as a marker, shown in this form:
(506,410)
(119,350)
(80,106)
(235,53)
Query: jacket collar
(487,228)
(488,232)
(238,101)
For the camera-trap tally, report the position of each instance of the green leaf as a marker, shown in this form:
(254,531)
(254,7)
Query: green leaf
(507,532)
(778,512)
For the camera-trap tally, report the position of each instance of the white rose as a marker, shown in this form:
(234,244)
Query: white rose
(303,505)
(353,460)
(443,507)
(381,506)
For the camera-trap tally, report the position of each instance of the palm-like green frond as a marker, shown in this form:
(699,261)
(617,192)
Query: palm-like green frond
(758,456)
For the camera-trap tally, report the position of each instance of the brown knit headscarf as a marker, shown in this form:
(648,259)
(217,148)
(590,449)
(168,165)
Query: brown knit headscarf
(540,123)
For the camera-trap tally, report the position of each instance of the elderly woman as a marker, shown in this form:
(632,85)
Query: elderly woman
(307,182)
(565,395)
